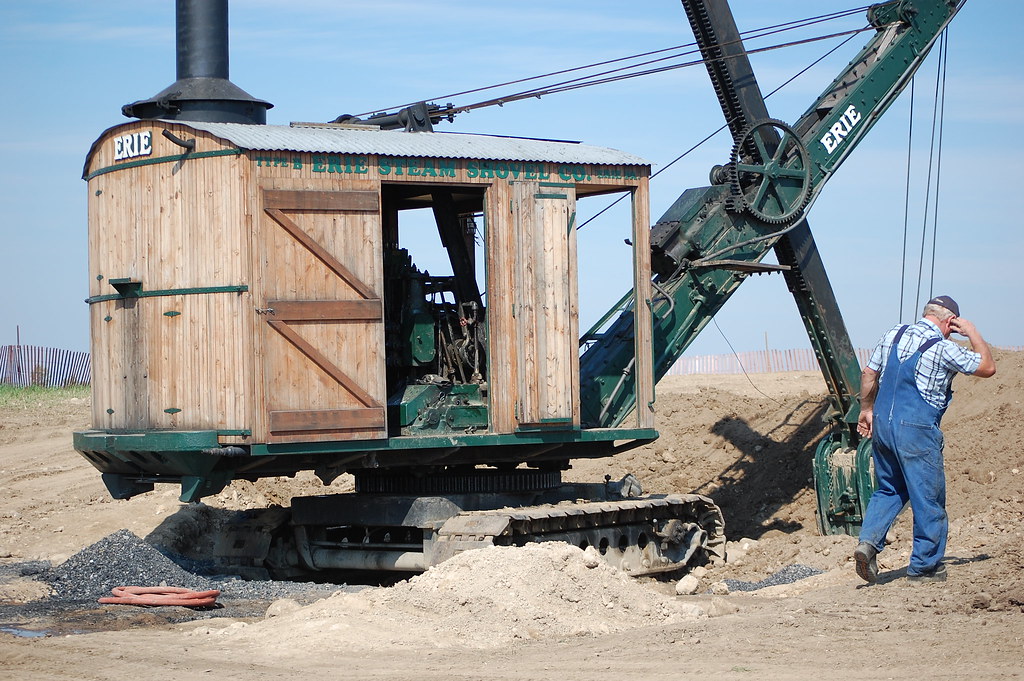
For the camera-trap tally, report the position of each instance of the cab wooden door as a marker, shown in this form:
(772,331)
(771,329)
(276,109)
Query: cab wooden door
(546,307)
(321,316)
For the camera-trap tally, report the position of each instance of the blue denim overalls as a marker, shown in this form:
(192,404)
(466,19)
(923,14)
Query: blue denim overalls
(907,450)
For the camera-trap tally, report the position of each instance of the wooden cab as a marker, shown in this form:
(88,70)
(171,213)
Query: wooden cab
(252,283)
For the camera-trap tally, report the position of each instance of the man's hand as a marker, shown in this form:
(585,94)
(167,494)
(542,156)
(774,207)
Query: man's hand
(963,327)
(864,422)
(868,392)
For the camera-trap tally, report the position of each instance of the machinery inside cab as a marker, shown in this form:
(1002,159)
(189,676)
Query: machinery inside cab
(258,307)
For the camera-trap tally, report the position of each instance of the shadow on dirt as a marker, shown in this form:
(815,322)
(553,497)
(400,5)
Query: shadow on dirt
(217,542)
(767,473)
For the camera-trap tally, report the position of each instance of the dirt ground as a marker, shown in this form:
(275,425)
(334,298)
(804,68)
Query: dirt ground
(555,612)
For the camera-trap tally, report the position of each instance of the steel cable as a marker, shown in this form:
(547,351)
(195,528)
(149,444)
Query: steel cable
(906,201)
(944,58)
(747,35)
(931,166)
(582,82)
(720,129)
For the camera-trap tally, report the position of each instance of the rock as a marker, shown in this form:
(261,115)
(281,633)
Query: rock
(691,610)
(720,588)
(721,606)
(591,558)
(687,586)
(981,475)
(982,601)
(281,606)
(699,571)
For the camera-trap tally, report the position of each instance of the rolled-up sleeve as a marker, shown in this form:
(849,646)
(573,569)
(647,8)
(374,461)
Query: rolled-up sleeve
(878,356)
(958,358)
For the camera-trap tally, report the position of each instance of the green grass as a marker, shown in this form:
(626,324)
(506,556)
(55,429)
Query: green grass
(17,397)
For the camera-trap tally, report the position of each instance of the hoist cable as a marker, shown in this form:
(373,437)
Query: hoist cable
(748,35)
(584,81)
(723,127)
(931,165)
(740,361)
(944,57)
(581,82)
(654,175)
(906,201)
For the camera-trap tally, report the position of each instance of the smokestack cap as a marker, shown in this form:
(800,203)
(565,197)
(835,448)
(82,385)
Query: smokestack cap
(202,91)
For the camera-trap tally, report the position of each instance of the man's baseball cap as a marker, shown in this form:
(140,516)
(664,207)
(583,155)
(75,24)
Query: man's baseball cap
(946,302)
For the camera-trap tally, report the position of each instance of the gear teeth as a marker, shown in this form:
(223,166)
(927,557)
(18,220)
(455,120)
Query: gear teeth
(735,204)
(738,197)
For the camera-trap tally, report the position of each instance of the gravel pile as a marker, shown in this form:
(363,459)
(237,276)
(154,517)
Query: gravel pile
(123,559)
(787,575)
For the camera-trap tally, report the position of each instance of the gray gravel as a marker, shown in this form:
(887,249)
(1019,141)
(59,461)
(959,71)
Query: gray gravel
(123,559)
(787,575)
(31,568)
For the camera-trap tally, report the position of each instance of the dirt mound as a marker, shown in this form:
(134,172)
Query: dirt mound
(483,598)
(749,445)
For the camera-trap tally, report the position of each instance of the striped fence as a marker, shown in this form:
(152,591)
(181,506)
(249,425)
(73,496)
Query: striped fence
(754,362)
(32,365)
(25,365)
(765,361)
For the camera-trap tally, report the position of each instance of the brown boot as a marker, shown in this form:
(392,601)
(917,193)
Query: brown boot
(867,565)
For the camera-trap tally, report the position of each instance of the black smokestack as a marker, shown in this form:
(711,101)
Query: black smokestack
(202,91)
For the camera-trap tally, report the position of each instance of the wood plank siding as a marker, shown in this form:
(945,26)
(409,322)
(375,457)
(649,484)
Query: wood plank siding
(323,355)
(171,361)
(243,290)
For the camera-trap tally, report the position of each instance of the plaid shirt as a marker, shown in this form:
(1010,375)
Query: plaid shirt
(937,366)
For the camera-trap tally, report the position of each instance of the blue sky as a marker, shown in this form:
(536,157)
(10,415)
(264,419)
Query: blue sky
(69,66)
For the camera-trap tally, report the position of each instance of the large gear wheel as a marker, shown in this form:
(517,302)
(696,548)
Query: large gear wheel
(772,186)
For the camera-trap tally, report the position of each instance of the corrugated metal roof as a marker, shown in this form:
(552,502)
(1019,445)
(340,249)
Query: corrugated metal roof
(332,140)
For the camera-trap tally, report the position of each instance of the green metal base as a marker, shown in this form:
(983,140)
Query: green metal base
(132,462)
(844,480)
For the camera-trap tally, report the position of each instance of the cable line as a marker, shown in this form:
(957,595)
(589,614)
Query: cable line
(906,200)
(931,165)
(582,82)
(748,35)
(740,362)
(723,127)
(944,57)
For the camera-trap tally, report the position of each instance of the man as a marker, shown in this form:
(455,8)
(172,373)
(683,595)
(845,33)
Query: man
(905,389)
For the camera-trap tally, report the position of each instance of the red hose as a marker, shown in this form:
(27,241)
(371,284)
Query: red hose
(161,595)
